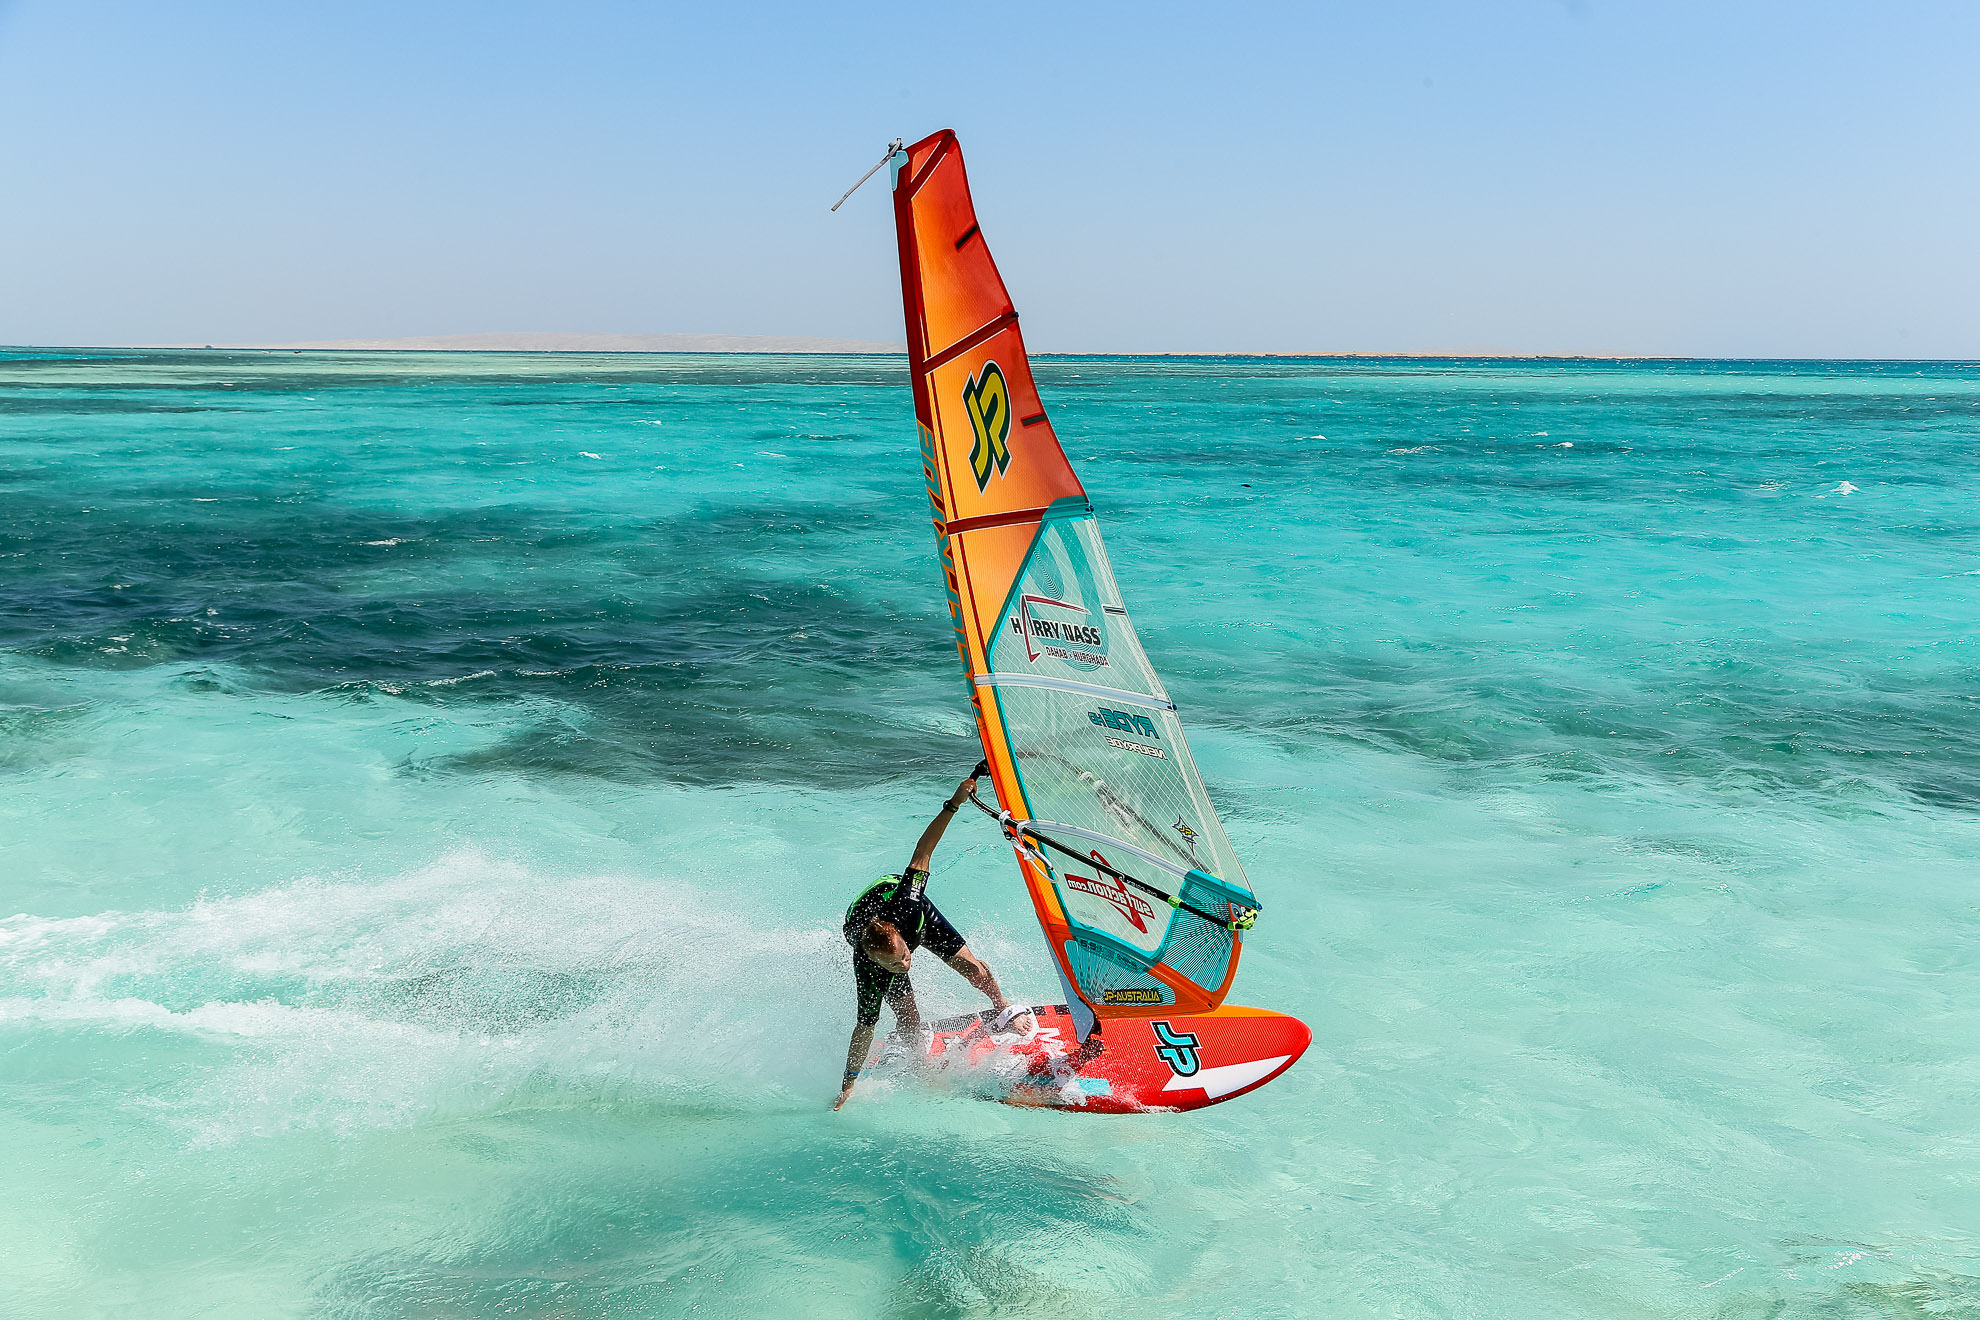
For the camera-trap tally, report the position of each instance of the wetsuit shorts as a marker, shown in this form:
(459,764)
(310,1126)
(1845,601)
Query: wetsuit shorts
(919,922)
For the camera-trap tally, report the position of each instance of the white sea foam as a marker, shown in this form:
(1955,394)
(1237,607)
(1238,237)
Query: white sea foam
(460,678)
(471,985)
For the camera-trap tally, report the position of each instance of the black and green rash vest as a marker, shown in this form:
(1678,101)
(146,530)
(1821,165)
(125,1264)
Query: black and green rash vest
(899,901)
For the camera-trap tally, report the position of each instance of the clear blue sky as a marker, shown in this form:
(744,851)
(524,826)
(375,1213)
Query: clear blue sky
(1794,179)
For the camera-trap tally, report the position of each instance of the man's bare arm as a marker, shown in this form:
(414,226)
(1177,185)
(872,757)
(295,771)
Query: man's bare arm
(924,848)
(977,972)
(862,1041)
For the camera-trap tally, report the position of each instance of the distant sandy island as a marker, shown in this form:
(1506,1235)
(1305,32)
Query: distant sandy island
(561,342)
(558,341)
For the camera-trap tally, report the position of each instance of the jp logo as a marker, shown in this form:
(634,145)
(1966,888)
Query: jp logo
(1178,1050)
(988,400)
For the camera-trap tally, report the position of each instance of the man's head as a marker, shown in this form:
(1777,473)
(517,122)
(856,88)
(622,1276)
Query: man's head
(881,941)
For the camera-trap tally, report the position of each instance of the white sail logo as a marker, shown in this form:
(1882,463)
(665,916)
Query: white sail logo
(1060,629)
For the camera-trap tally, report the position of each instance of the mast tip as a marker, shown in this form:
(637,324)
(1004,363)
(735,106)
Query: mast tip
(893,148)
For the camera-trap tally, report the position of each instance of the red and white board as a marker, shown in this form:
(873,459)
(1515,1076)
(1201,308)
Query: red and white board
(1135,1065)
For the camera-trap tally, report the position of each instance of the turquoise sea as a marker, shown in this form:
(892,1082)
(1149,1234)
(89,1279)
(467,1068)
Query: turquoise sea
(429,785)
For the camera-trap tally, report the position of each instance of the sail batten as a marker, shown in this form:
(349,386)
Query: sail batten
(1152,700)
(1082,739)
(971,340)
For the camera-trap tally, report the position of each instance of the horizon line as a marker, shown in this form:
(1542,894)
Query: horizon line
(901,352)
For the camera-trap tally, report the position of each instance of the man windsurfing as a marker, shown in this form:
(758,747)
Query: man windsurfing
(887,923)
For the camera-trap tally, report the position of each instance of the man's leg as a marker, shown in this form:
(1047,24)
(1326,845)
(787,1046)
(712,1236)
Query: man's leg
(907,1014)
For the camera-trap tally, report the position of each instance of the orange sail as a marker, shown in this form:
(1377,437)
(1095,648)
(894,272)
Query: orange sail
(1143,904)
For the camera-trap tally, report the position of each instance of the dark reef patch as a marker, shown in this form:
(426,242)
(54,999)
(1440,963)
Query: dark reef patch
(699,649)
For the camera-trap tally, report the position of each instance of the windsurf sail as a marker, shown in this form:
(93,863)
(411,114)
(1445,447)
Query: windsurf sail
(1143,903)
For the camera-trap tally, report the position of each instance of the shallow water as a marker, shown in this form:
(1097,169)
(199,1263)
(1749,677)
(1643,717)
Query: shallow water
(431,783)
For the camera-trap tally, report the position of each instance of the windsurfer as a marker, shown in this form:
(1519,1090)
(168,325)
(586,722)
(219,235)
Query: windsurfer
(887,923)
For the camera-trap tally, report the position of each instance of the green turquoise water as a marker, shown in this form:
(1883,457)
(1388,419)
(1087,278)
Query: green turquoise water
(429,785)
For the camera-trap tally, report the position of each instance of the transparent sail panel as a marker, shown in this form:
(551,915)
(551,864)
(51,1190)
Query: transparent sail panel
(1101,753)
(1100,748)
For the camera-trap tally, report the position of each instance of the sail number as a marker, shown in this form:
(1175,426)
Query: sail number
(988,401)
(1122,720)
